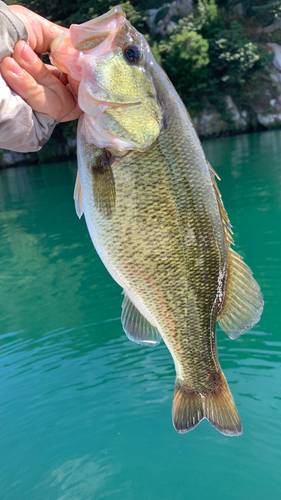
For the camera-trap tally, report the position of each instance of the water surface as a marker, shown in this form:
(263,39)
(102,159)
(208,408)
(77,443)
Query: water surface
(86,414)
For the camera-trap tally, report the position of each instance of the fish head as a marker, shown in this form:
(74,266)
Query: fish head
(112,60)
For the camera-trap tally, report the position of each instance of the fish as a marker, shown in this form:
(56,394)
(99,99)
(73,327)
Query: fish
(155,214)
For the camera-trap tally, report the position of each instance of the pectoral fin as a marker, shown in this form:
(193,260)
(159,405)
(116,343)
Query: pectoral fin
(243,302)
(78,196)
(136,326)
(103,183)
(99,162)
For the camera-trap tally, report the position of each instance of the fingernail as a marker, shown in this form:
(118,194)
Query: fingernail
(28,55)
(15,68)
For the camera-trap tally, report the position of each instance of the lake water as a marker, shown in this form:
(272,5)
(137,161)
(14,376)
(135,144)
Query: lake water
(86,414)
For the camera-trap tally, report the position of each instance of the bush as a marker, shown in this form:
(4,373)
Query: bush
(214,52)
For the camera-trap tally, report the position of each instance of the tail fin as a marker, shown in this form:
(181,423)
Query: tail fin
(189,408)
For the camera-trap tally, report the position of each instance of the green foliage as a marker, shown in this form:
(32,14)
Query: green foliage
(137,17)
(275,36)
(61,143)
(235,54)
(272,7)
(262,10)
(185,58)
(204,15)
(210,55)
(238,63)
(218,50)
(205,58)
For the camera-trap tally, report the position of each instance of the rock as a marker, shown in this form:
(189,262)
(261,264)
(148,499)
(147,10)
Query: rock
(240,119)
(159,20)
(151,16)
(270,119)
(276,48)
(209,123)
(275,25)
(276,103)
(184,7)
(239,9)
(11,158)
(274,77)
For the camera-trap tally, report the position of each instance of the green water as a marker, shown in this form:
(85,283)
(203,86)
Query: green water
(86,414)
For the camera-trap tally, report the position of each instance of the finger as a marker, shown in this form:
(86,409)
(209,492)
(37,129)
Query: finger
(41,32)
(63,78)
(73,115)
(56,102)
(40,99)
(76,112)
(57,73)
(74,85)
(28,60)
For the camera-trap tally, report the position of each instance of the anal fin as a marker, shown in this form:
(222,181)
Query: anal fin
(243,303)
(136,326)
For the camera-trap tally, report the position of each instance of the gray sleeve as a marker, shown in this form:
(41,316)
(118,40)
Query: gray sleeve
(21,129)
(12,29)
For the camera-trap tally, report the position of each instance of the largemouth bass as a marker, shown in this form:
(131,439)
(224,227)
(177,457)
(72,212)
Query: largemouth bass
(155,214)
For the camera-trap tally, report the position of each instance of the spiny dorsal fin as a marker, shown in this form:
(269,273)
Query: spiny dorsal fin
(78,196)
(224,217)
(136,326)
(243,303)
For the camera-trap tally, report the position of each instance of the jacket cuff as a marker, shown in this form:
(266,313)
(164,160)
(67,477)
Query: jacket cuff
(12,29)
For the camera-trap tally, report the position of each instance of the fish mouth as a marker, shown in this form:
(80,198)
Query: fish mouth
(90,34)
(113,104)
(96,106)
(82,37)
(97,35)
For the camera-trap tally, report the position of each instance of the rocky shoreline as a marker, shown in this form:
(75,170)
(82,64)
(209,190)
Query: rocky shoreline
(226,114)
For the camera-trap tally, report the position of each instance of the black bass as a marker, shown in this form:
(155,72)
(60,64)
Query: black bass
(155,214)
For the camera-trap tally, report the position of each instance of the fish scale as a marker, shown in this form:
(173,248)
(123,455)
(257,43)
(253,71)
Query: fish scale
(155,214)
(167,252)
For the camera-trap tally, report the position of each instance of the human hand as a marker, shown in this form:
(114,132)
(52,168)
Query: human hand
(42,86)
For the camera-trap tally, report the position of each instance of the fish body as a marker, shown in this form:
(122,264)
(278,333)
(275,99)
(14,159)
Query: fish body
(155,215)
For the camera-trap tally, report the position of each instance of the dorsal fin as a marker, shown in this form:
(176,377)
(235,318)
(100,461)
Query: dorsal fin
(224,217)
(243,303)
(136,326)
(78,196)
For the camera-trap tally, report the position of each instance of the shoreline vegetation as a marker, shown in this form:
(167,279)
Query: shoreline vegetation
(223,57)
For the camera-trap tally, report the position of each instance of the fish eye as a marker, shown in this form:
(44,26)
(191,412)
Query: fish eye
(132,54)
